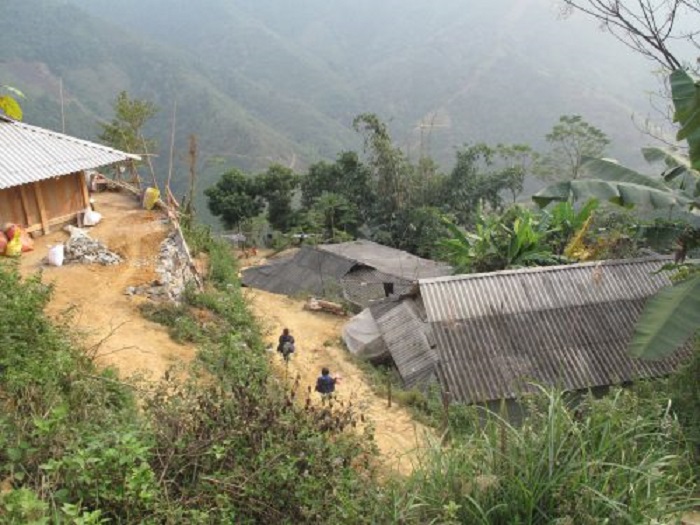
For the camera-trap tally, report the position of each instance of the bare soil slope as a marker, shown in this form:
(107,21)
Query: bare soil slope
(398,436)
(94,295)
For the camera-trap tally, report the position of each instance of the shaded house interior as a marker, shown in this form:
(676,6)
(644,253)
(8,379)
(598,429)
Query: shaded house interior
(42,174)
(493,336)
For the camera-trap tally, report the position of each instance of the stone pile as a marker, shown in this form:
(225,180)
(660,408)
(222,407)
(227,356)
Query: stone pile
(173,271)
(83,249)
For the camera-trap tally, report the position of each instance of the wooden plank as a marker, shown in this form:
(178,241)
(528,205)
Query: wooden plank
(52,222)
(25,203)
(42,208)
(82,182)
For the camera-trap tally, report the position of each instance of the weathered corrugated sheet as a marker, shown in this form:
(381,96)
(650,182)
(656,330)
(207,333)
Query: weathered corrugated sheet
(30,154)
(564,325)
(308,271)
(405,335)
(388,260)
(363,285)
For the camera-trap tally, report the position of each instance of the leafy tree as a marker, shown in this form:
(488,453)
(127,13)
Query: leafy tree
(571,140)
(9,103)
(387,162)
(277,186)
(234,198)
(335,213)
(346,177)
(125,131)
(475,180)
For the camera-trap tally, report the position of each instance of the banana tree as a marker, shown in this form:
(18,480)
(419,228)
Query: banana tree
(672,316)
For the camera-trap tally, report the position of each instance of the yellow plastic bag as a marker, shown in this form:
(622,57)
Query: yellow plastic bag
(150,198)
(14,247)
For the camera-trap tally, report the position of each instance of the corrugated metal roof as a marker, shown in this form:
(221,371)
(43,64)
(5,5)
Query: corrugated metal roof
(407,339)
(565,325)
(388,260)
(30,154)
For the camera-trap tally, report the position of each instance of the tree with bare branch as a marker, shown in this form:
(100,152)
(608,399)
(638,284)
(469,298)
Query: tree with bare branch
(656,29)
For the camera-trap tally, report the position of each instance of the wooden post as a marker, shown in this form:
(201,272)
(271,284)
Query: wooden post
(388,389)
(82,182)
(25,204)
(42,208)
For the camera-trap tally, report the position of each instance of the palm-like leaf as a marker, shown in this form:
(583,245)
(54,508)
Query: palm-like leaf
(670,318)
(686,100)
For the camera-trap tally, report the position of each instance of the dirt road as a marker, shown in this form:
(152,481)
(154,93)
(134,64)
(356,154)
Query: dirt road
(398,436)
(94,294)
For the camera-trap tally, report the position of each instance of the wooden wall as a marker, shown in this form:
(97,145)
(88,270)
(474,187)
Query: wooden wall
(39,205)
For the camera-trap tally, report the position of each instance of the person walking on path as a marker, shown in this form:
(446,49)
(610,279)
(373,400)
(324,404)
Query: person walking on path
(286,344)
(325,384)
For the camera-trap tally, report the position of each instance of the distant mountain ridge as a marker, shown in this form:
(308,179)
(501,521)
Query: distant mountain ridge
(263,81)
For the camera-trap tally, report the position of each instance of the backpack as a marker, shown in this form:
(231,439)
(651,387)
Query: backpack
(287,348)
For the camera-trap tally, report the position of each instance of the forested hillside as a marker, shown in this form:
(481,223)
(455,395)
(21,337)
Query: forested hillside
(261,81)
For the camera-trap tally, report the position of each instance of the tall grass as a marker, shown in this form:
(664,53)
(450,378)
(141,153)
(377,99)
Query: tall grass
(620,459)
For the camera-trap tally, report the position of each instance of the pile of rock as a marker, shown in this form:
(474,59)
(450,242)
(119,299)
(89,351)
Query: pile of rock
(83,249)
(173,269)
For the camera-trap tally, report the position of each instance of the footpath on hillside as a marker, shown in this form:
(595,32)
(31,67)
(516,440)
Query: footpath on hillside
(94,295)
(398,436)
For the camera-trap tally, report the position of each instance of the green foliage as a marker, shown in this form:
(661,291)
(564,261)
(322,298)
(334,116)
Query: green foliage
(125,131)
(684,388)
(669,319)
(571,140)
(608,181)
(347,177)
(686,99)
(619,459)
(514,239)
(235,198)
(277,186)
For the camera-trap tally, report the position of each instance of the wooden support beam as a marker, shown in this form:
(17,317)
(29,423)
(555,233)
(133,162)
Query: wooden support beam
(25,203)
(53,222)
(42,207)
(83,183)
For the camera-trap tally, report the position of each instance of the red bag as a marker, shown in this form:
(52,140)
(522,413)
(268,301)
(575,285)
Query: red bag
(27,241)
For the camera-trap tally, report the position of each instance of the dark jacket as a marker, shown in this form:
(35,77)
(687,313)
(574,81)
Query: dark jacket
(286,339)
(325,384)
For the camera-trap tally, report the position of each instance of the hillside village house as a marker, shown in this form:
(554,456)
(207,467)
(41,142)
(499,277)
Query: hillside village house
(358,271)
(42,174)
(494,336)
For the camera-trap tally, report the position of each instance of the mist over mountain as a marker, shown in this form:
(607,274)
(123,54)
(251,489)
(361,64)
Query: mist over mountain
(263,81)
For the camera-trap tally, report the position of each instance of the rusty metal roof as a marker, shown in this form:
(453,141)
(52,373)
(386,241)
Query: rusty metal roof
(566,326)
(30,154)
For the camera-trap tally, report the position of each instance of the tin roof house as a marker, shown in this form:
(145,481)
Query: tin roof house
(358,271)
(493,336)
(42,181)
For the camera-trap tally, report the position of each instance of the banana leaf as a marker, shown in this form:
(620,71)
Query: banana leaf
(621,193)
(669,319)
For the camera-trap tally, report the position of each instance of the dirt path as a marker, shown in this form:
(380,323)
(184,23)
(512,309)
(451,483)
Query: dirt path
(398,436)
(95,296)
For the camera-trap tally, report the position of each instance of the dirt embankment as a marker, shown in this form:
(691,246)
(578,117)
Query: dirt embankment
(94,295)
(398,436)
